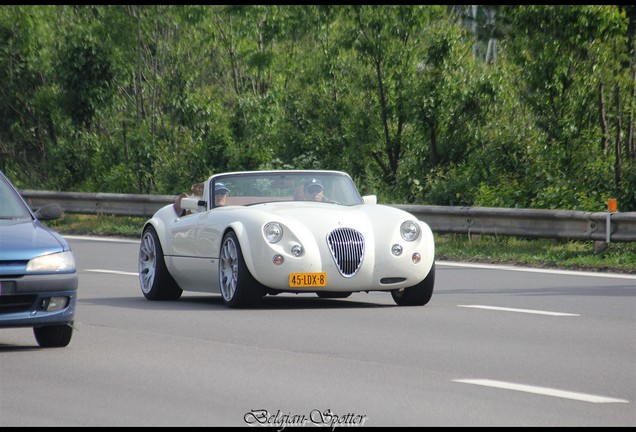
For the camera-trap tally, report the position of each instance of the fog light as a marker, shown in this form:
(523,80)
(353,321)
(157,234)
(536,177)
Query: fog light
(278,259)
(396,249)
(53,304)
(416,258)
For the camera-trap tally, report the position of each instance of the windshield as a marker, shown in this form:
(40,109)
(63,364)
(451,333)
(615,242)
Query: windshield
(259,187)
(11,206)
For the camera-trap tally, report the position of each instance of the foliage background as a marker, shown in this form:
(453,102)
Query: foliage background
(500,106)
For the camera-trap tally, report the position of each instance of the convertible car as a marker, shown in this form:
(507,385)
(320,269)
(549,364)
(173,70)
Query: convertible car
(257,233)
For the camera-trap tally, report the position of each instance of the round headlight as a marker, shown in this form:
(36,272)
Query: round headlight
(410,230)
(273,232)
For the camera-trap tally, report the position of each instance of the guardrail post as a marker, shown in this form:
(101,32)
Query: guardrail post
(611,208)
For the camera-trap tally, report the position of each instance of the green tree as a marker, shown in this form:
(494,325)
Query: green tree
(572,75)
(28,95)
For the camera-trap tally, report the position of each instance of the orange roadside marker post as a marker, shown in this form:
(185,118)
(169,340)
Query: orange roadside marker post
(612,207)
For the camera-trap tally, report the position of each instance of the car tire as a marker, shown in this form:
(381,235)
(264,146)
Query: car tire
(417,295)
(54,336)
(154,278)
(333,294)
(238,286)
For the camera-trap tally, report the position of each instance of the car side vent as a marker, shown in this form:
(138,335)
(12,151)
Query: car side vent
(347,249)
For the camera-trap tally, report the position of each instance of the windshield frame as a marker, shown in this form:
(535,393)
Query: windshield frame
(258,187)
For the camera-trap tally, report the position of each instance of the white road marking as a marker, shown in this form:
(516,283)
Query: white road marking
(530,311)
(537,270)
(112,272)
(546,391)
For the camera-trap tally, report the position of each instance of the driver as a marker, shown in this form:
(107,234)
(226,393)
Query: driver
(221,193)
(313,190)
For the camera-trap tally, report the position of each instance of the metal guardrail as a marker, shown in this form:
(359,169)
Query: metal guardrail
(99,203)
(563,224)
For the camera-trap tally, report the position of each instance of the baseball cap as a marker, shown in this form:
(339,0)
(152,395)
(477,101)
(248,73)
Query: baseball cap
(313,183)
(221,188)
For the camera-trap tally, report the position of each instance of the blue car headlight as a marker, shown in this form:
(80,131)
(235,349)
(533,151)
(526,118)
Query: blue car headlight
(56,262)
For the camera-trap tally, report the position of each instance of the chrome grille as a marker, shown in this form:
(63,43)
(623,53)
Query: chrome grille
(347,249)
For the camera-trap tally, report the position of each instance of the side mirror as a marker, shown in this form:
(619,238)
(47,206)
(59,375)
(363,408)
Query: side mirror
(370,199)
(49,212)
(192,204)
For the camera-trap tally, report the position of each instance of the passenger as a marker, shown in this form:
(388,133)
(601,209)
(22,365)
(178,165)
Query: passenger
(313,190)
(196,190)
(221,193)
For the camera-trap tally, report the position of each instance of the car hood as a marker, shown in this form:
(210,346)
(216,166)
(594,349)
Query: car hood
(302,207)
(23,240)
(322,217)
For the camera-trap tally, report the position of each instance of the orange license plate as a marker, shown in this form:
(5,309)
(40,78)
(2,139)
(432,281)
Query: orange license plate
(301,280)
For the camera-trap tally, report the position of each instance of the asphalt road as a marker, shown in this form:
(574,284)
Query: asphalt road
(494,347)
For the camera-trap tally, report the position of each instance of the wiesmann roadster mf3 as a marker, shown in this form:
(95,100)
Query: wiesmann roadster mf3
(257,233)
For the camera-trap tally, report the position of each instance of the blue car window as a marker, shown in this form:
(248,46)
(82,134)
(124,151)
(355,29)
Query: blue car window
(11,206)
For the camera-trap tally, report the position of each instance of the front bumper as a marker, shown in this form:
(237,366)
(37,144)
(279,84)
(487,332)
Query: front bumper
(23,301)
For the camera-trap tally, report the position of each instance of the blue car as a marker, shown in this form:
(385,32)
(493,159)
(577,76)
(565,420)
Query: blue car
(38,278)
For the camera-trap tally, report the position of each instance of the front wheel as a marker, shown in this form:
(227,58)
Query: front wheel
(417,295)
(155,280)
(53,336)
(238,286)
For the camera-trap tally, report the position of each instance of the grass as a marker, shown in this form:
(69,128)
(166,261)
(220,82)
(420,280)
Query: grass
(546,253)
(99,225)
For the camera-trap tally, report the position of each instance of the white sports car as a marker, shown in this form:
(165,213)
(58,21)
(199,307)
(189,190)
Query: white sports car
(255,233)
